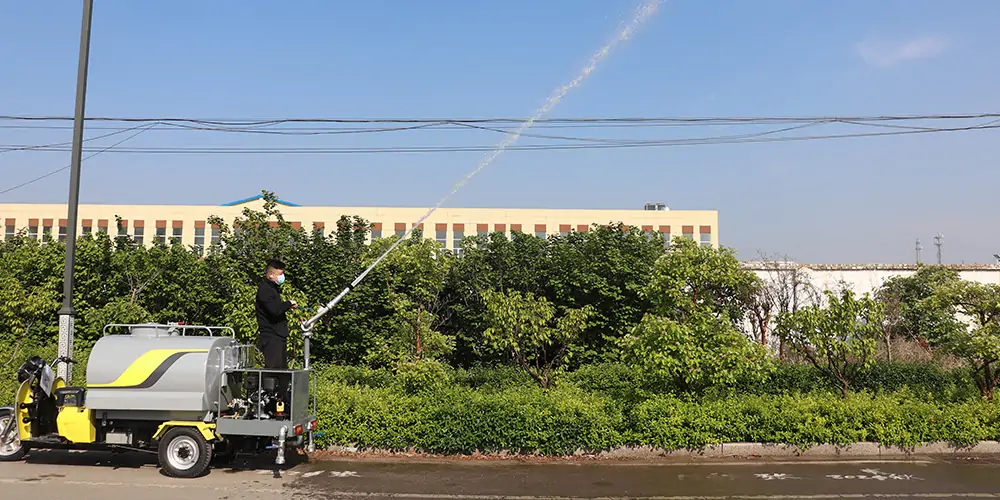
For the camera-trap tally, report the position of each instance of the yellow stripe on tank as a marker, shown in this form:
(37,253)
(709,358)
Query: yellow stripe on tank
(143,367)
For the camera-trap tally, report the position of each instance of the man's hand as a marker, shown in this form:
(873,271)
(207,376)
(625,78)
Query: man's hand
(294,305)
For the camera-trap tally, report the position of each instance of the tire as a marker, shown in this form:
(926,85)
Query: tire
(15,451)
(184,453)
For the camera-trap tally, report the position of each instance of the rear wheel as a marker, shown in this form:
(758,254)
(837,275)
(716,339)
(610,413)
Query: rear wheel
(184,452)
(11,448)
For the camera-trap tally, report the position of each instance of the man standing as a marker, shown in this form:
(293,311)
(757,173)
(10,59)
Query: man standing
(271,321)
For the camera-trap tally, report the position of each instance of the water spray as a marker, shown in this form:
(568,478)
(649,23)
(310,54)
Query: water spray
(643,13)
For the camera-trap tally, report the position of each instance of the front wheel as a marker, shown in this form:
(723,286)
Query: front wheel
(11,448)
(184,452)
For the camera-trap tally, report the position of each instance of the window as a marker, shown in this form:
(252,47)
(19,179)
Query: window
(199,240)
(161,235)
(122,231)
(216,235)
(47,232)
(178,235)
(376,234)
(88,230)
(400,233)
(33,232)
(63,233)
(706,239)
(10,232)
(137,235)
(102,228)
(441,235)
(457,236)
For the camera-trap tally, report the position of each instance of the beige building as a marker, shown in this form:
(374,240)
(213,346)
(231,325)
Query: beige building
(189,223)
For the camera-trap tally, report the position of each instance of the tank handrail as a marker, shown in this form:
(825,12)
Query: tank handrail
(182,329)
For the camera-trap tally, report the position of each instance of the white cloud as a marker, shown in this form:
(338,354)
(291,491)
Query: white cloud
(882,54)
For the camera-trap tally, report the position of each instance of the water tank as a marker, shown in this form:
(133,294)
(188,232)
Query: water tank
(155,368)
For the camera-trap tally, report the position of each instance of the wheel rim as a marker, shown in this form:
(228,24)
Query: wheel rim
(183,453)
(14,445)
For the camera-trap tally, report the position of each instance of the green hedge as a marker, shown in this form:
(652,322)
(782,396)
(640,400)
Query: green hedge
(564,420)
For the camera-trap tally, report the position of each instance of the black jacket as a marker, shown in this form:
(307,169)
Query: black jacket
(271,310)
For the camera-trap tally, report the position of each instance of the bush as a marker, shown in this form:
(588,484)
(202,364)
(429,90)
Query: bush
(565,420)
(461,420)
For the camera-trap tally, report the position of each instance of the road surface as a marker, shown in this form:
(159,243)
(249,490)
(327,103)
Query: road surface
(86,476)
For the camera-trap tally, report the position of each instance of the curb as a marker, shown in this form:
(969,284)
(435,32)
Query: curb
(723,450)
(854,450)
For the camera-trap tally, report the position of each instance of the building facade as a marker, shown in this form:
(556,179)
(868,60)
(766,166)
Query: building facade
(189,224)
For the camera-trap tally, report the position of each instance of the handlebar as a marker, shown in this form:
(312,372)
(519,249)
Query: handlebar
(63,359)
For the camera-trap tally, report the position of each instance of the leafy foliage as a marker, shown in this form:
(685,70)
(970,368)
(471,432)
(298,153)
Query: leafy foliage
(704,351)
(526,326)
(837,339)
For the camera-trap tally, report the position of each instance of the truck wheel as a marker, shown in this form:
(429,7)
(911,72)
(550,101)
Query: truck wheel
(184,452)
(13,450)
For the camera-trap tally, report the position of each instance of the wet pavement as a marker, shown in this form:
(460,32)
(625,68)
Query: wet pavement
(86,476)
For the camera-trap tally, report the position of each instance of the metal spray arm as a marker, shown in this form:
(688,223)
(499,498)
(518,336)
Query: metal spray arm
(308,324)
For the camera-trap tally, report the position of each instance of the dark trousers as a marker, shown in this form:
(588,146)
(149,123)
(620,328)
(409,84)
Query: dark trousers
(275,350)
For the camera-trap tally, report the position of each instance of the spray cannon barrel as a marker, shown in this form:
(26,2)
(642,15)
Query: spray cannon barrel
(308,324)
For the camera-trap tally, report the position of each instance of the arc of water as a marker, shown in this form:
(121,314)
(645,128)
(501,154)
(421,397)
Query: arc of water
(642,14)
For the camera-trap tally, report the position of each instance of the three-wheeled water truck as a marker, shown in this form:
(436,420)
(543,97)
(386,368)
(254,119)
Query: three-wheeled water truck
(185,392)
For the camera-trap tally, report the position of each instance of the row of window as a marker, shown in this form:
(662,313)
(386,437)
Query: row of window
(441,235)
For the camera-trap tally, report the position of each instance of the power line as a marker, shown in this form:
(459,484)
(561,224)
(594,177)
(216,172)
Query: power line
(109,148)
(701,120)
(712,140)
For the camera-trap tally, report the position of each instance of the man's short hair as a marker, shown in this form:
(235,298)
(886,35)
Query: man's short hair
(275,265)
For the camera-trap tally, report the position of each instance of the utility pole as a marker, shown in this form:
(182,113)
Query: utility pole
(938,241)
(66,313)
(919,248)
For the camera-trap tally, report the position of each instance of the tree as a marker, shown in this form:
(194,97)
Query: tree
(785,287)
(911,312)
(978,340)
(490,263)
(838,339)
(703,351)
(607,268)
(526,326)
(691,279)
(414,277)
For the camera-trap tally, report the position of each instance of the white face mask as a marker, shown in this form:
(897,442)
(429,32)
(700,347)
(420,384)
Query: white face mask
(281,279)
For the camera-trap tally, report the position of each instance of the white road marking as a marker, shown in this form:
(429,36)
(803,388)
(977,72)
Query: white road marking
(775,476)
(875,474)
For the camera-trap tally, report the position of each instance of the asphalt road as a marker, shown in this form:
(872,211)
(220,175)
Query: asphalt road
(102,476)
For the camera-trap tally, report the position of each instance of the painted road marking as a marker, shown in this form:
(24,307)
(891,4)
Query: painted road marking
(774,477)
(876,475)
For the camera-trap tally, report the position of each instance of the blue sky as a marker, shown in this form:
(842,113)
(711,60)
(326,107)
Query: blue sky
(844,200)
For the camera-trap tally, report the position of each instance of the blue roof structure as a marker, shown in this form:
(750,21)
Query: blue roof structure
(258,197)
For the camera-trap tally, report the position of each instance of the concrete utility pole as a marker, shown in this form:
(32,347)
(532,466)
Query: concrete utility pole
(919,248)
(66,313)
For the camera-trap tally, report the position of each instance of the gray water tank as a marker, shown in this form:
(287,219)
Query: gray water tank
(155,369)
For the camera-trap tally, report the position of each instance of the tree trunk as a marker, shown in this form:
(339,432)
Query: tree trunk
(988,372)
(888,348)
(845,387)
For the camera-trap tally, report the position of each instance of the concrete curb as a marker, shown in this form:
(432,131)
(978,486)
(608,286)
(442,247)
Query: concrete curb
(745,450)
(863,449)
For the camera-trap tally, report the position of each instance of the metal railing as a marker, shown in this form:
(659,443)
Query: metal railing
(173,329)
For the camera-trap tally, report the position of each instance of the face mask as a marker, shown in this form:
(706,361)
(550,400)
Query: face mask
(281,279)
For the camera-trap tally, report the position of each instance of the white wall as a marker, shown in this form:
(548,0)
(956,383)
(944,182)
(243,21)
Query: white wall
(859,278)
